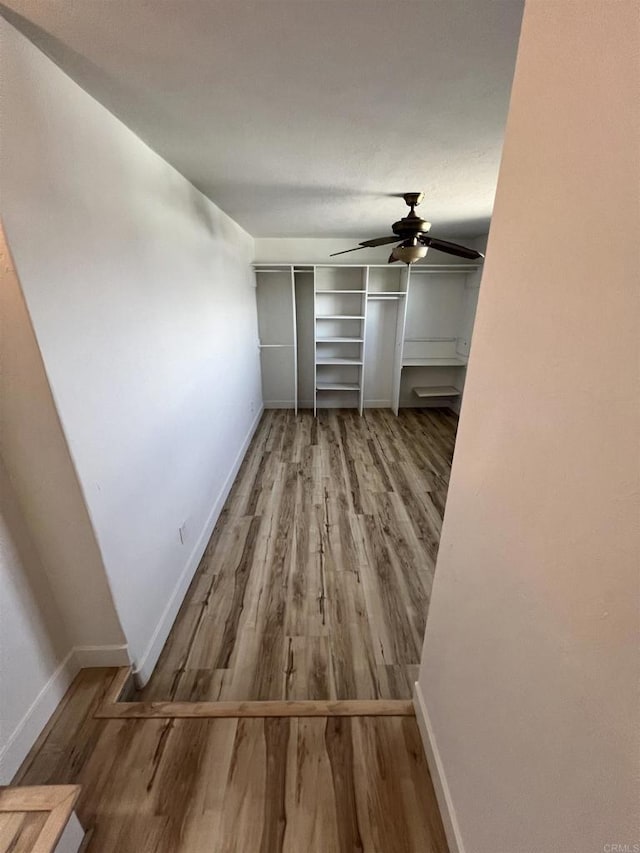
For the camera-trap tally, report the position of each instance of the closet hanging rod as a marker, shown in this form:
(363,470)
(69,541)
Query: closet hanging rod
(275,346)
(339,317)
(445,268)
(339,340)
(438,340)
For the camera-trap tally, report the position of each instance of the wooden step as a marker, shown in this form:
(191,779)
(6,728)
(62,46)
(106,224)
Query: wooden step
(40,819)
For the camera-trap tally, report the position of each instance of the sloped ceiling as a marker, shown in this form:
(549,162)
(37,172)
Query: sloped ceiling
(303,118)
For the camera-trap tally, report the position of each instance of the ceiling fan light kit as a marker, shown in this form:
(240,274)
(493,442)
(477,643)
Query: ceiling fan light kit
(408,254)
(411,232)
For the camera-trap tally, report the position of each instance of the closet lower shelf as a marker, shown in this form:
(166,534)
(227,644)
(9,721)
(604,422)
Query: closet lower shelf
(434,362)
(337,386)
(436,391)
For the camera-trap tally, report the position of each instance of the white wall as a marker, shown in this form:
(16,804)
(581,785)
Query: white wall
(56,609)
(33,640)
(37,461)
(528,684)
(141,296)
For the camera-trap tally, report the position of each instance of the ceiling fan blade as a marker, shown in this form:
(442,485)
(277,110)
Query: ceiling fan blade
(450,248)
(392,259)
(381,241)
(346,251)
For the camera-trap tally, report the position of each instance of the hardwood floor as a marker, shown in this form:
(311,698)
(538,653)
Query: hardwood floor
(279,785)
(316,582)
(314,586)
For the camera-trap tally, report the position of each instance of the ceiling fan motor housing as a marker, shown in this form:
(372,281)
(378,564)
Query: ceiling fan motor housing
(409,226)
(412,233)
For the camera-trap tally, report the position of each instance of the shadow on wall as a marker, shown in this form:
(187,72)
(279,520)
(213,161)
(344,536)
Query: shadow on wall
(109,90)
(25,587)
(38,463)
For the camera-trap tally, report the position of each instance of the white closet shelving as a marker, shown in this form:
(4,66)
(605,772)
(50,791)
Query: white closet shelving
(387,300)
(440,313)
(340,317)
(276,302)
(375,335)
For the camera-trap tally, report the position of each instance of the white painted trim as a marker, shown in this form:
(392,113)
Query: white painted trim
(87,657)
(36,717)
(443,794)
(145,666)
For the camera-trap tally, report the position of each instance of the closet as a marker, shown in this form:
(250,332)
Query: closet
(277,331)
(356,336)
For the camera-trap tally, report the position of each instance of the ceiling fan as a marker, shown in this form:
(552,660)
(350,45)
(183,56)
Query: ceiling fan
(411,233)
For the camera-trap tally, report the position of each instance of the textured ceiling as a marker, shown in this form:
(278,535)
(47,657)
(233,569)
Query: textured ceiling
(303,117)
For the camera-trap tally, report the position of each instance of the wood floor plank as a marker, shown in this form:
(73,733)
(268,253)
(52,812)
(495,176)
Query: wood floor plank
(316,581)
(261,709)
(318,785)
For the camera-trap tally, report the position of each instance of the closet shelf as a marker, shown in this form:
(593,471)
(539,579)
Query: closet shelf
(434,362)
(351,331)
(337,386)
(340,317)
(437,391)
(337,360)
(339,340)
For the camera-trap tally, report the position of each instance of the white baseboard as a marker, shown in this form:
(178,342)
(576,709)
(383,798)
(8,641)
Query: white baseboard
(443,795)
(87,657)
(377,404)
(145,666)
(37,715)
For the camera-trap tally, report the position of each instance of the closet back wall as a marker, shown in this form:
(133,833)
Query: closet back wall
(141,295)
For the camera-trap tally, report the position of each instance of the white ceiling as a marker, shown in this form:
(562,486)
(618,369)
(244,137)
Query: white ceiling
(301,118)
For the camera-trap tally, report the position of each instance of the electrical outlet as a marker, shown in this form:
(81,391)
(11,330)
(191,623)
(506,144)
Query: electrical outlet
(182,532)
